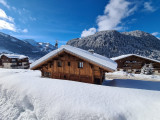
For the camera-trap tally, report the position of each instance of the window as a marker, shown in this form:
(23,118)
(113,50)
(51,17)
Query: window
(13,60)
(59,63)
(51,64)
(127,61)
(138,70)
(80,64)
(125,65)
(69,64)
(47,74)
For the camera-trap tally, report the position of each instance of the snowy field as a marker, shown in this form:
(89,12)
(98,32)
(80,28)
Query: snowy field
(125,75)
(136,84)
(24,95)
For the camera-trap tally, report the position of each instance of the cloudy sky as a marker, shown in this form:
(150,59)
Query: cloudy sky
(62,20)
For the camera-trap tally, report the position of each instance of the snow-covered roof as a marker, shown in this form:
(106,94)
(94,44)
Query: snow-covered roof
(128,55)
(92,57)
(15,56)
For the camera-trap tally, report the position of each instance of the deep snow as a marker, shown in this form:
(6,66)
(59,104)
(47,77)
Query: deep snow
(125,75)
(24,95)
(137,84)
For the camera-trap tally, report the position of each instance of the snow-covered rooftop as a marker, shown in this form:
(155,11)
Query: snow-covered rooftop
(15,56)
(128,55)
(95,58)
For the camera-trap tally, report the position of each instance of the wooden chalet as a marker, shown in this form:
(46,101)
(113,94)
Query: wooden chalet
(0,63)
(12,61)
(71,63)
(133,63)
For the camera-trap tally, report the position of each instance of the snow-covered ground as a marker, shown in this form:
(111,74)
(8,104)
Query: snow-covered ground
(24,95)
(3,50)
(125,75)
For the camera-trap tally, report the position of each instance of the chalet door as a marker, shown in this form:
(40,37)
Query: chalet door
(64,76)
(61,76)
(97,81)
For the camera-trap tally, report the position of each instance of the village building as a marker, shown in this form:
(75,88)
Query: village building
(133,63)
(0,63)
(12,61)
(71,63)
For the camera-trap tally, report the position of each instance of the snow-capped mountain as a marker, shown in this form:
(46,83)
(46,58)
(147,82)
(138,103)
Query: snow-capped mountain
(31,48)
(31,41)
(112,43)
(44,47)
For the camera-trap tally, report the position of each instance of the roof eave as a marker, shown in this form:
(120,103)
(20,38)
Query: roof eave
(137,56)
(62,50)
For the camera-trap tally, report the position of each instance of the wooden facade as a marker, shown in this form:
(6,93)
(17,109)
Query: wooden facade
(14,63)
(0,63)
(134,64)
(70,67)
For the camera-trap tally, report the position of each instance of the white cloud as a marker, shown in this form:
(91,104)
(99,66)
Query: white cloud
(4,16)
(155,33)
(6,22)
(25,30)
(149,7)
(3,2)
(88,32)
(32,18)
(114,13)
(7,25)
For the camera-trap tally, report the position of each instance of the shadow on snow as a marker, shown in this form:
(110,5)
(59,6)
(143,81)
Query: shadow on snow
(129,83)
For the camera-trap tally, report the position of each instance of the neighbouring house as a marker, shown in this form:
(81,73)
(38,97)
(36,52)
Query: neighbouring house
(13,61)
(0,63)
(75,64)
(133,63)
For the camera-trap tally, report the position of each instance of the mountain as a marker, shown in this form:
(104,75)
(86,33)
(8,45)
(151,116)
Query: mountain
(31,41)
(112,43)
(31,48)
(45,47)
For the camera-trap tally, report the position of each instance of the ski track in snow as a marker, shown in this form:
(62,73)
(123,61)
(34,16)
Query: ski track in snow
(24,95)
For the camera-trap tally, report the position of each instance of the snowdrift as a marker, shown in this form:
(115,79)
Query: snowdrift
(125,75)
(24,95)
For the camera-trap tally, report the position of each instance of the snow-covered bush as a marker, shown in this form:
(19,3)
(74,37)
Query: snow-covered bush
(147,69)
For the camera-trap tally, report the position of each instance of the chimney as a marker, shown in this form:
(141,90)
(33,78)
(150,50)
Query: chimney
(56,44)
(91,51)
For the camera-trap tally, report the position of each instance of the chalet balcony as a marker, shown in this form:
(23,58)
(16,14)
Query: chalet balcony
(137,63)
(156,69)
(13,61)
(13,65)
(26,64)
(26,67)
